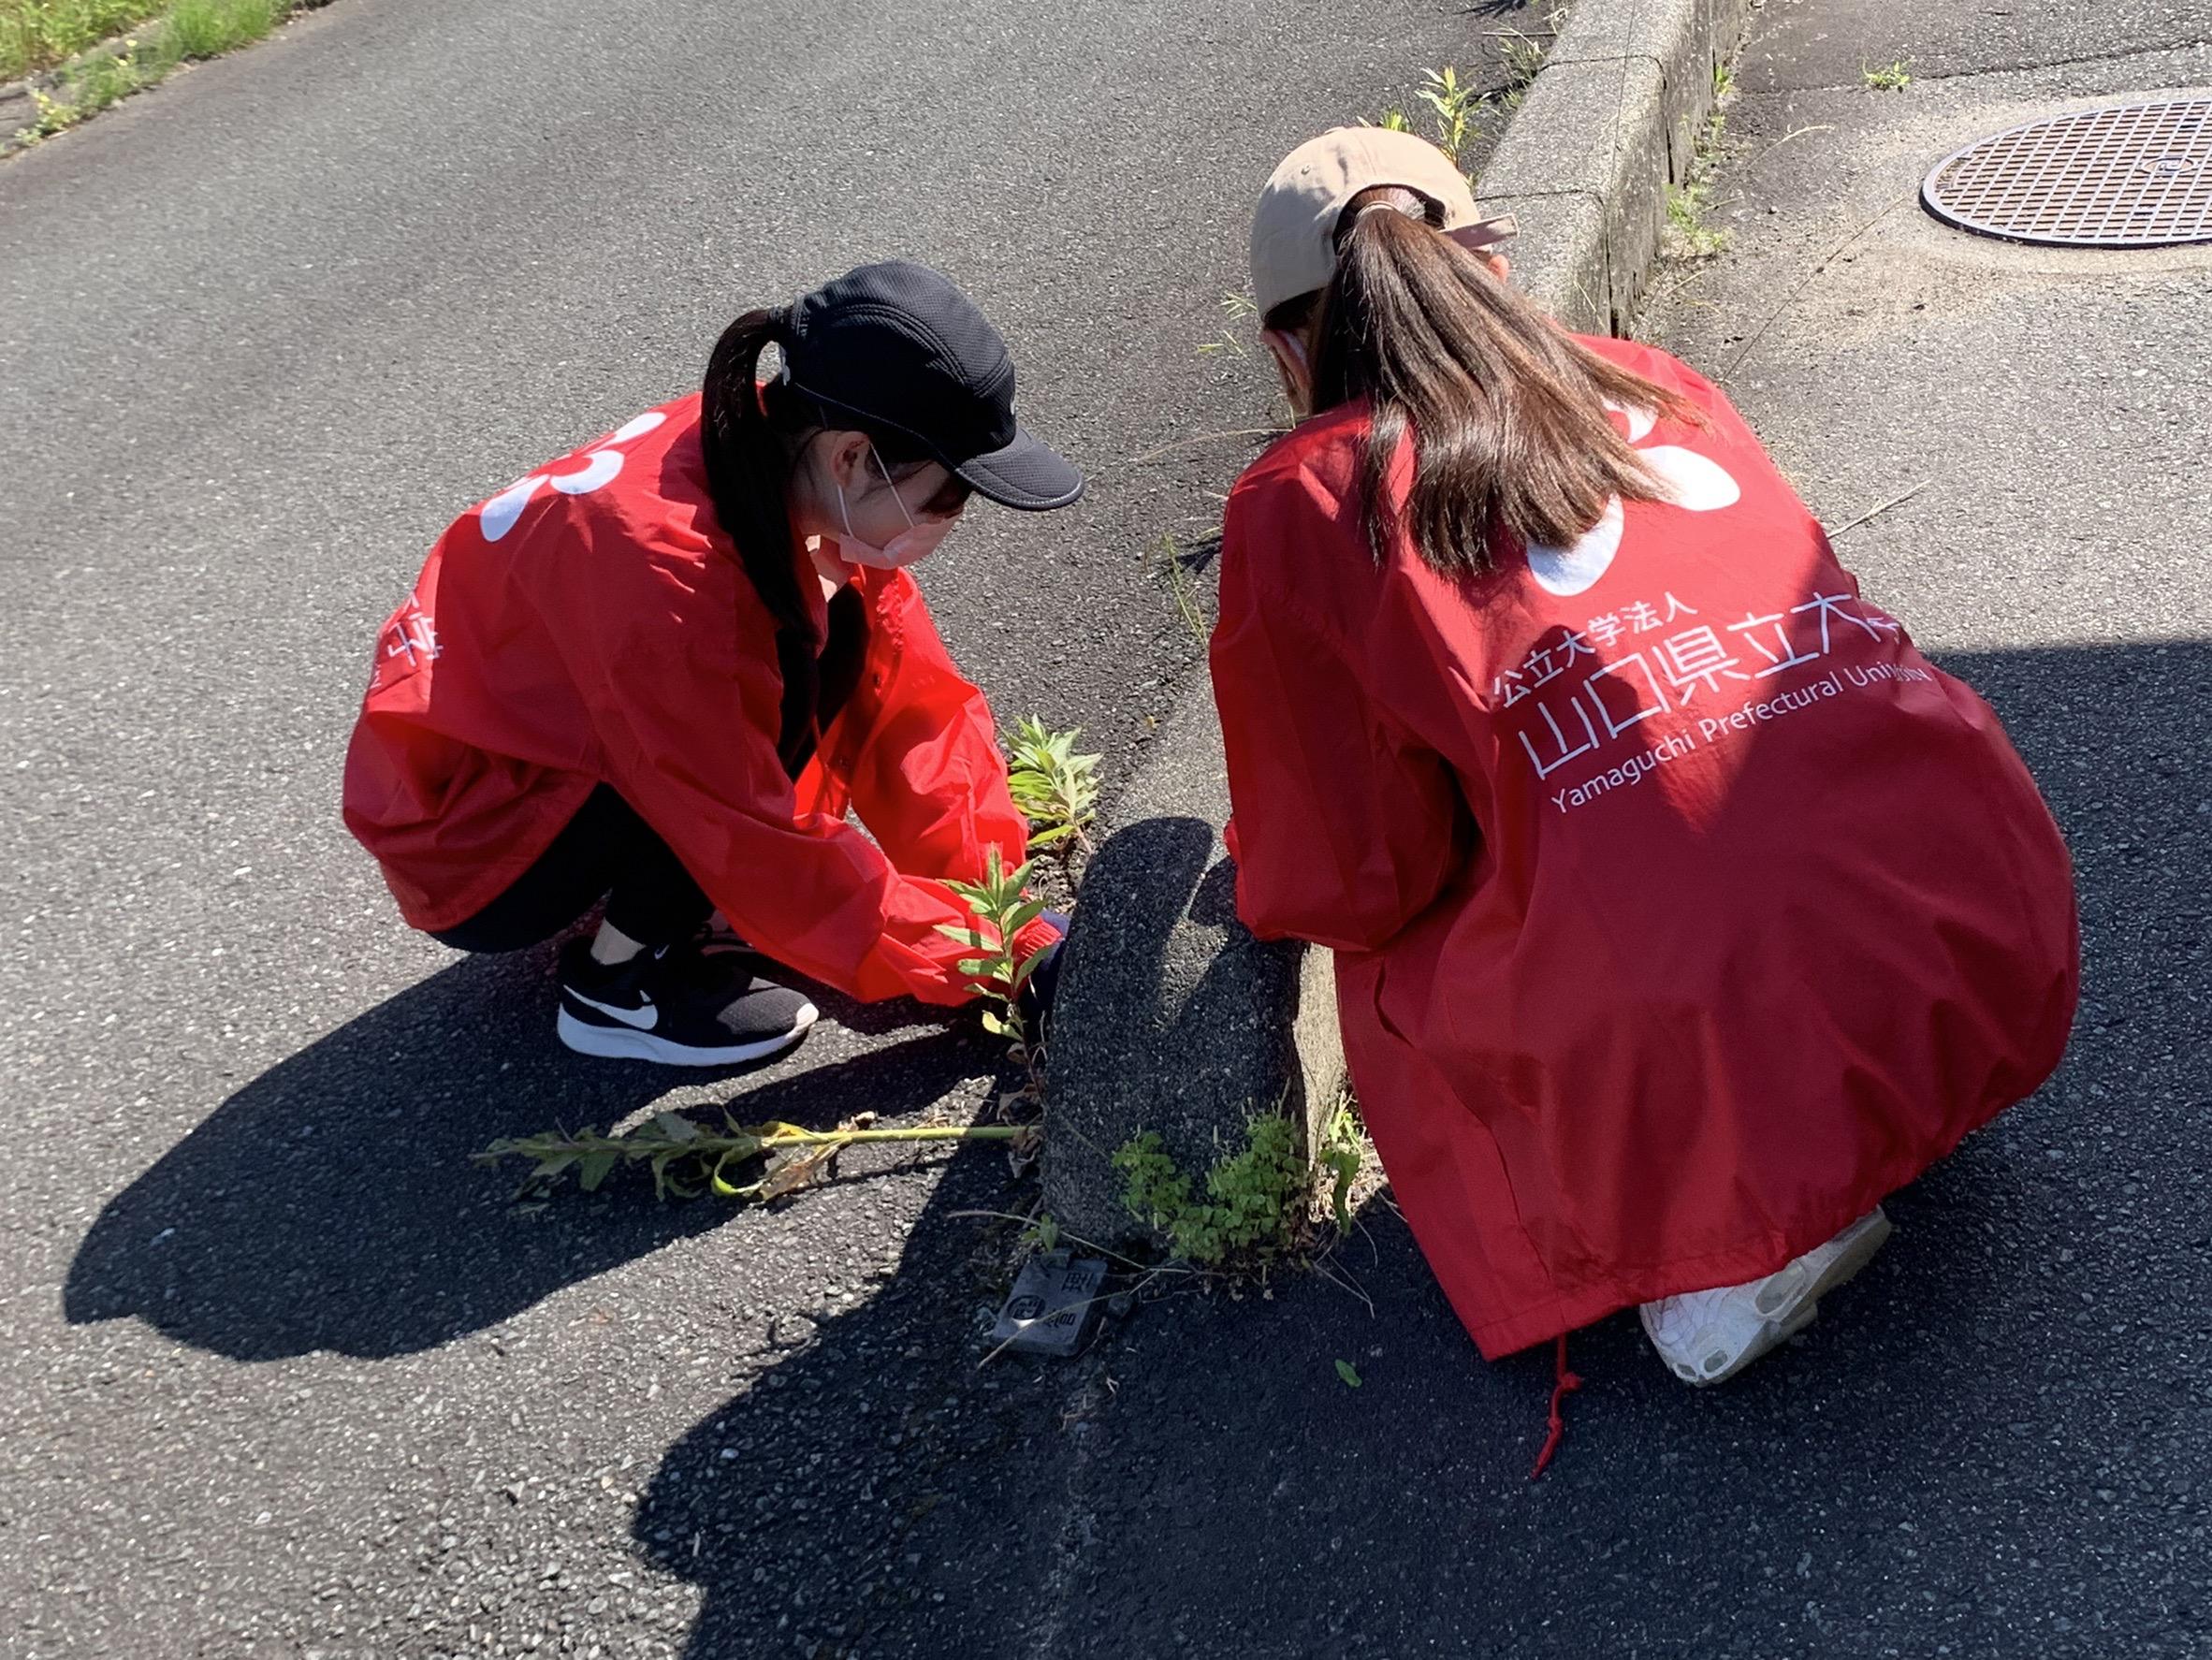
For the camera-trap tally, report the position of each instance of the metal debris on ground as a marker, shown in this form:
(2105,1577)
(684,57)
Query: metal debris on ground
(1052,1299)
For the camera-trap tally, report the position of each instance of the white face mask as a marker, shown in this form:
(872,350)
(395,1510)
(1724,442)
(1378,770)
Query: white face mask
(916,542)
(1297,389)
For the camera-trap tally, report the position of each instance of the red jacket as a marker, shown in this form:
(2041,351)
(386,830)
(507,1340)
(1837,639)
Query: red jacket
(1682,909)
(593,624)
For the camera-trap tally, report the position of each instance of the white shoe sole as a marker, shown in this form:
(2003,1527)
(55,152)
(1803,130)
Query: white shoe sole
(1789,1299)
(622,1044)
(1772,1336)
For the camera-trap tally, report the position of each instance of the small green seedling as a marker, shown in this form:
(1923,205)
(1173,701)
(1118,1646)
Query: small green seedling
(1349,1373)
(1893,77)
(1342,1152)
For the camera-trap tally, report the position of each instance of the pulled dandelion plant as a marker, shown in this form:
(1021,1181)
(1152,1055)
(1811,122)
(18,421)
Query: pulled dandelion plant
(687,1159)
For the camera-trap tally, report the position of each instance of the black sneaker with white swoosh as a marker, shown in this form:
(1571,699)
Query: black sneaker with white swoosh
(680,1005)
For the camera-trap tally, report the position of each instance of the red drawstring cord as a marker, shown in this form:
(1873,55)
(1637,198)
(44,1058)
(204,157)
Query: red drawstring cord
(1564,1382)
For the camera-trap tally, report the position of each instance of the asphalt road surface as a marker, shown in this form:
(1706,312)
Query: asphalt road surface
(284,1376)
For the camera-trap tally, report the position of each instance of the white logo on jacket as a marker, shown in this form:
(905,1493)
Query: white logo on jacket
(603,462)
(1693,481)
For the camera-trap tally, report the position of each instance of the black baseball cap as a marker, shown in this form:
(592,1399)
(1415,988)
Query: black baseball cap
(895,345)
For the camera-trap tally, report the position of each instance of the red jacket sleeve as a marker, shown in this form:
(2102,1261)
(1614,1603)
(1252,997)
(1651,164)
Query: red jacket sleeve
(1346,827)
(685,699)
(928,777)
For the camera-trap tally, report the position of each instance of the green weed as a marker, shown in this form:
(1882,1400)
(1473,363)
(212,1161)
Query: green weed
(90,80)
(106,81)
(208,28)
(1258,1202)
(1249,1211)
(1341,1156)
(1685,216)
(1454,106)
(1891,79)
(54,115)
(37,34)
(1691,235)
(90,87)
(94,84)
(1458,109)
(1002,909)
(1522,56)
(1716,119)
(1056,789)
(1042,1235)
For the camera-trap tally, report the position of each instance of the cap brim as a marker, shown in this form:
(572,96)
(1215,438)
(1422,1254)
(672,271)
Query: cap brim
(1486,233)
(1024,474)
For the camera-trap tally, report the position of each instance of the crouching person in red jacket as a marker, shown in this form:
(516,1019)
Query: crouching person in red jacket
(1681,909)
(660,670)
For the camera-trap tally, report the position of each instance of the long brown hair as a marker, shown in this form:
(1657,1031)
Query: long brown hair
(1507,409)
(753,436)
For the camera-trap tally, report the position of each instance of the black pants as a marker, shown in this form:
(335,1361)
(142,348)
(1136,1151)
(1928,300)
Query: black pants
(606,851)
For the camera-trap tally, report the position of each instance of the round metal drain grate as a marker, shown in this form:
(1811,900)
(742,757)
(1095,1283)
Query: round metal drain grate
(2131,176)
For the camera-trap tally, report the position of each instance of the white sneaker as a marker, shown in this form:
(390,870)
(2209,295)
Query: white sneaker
(1706,1337)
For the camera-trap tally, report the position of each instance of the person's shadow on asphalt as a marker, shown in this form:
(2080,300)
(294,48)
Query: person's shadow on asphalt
(1206,1481)
(332,1202)
(882,1486)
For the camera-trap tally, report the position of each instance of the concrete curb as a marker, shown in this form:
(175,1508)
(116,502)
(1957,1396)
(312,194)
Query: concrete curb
(1170,1016)
(1610,121)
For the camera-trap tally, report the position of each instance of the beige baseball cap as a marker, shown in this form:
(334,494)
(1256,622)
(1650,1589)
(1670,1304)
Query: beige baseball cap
(1294,227)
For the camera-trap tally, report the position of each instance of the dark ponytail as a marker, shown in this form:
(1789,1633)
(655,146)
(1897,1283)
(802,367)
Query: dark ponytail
(749,455)
(1511,441)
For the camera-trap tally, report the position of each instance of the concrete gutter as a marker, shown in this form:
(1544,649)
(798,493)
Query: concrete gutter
(1170,1016)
